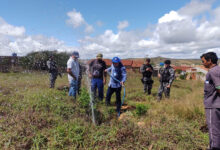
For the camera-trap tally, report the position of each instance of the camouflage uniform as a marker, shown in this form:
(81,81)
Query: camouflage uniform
(167,76)
(147,80)
(53,70)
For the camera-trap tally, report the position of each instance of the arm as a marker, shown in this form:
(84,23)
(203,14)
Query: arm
(70,73)
(218,90)
(158,75)
(142,69)
(69,66)
(172,76)
(150,69)
(90,69)
(124,75)
(48,64)
(105,73)
(108,69)
(215,76)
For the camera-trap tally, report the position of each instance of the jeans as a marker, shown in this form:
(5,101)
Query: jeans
(73,88)
(97,83)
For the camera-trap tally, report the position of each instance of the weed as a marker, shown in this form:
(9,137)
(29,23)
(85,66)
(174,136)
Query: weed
(141,109)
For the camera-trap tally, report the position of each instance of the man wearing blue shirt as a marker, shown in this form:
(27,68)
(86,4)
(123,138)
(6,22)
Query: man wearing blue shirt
(118,73)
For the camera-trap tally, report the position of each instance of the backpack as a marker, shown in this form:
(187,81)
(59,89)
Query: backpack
(97,69)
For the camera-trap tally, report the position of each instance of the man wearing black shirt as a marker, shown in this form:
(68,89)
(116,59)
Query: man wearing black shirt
(147,70)
(96,72)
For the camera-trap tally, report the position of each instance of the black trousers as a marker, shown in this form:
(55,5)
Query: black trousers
(117,91)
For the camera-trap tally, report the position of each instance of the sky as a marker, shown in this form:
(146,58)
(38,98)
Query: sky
(123,28)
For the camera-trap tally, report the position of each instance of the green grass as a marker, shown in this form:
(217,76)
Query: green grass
(32,116)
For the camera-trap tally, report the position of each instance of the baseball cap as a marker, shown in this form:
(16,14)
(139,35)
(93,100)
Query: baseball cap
(99,55)
(76,54)
(116,60)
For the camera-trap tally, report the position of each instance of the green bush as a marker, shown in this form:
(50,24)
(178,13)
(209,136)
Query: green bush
(183,77)
(141,109)
(84,99)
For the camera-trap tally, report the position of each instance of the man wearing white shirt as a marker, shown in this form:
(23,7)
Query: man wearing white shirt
(73,73)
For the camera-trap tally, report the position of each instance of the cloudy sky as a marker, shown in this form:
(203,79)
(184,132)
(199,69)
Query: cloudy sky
(124,28)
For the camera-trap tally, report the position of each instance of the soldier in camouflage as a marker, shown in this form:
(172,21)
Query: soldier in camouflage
(166,76)
(53,70)
(147,70)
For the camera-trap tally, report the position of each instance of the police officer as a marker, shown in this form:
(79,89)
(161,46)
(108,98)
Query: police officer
(146,69)
(53,70)
(166,76)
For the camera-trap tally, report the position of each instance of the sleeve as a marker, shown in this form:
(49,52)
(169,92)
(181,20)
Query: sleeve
(142,70)
(172,75)
(48,64)
(109,69)
(124,74)
(152,67)
(104,67)
(69,64)
(215,76)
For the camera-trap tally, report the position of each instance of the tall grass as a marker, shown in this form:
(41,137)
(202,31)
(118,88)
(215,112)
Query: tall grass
(32,116)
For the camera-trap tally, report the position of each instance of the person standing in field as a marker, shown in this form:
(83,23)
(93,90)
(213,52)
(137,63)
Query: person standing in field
(117,80)
(53,70)
(147,70)
(212,98)
(98,76)
(166,76)
(73,71)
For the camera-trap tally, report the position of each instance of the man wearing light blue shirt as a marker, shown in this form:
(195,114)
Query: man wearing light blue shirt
(73,71)
(118,77)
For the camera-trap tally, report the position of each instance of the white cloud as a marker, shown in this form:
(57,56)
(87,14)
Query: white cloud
(99,23)
(183,33)
(171,16)
(76,20)
(89,29)
(13,39)
(122,25)
(9,30)
(196,7)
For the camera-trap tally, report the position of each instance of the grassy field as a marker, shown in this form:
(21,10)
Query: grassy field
(32,116)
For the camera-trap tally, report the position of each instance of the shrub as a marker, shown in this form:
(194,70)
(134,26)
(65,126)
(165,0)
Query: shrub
(141,109)
(84,99)
(183,77)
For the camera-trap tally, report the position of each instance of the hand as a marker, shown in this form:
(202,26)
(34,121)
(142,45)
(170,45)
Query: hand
(148,69)
(105,70)
(104,81)
(168,86)
(122,83)
(159,75)
(90,76)
(74,77)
